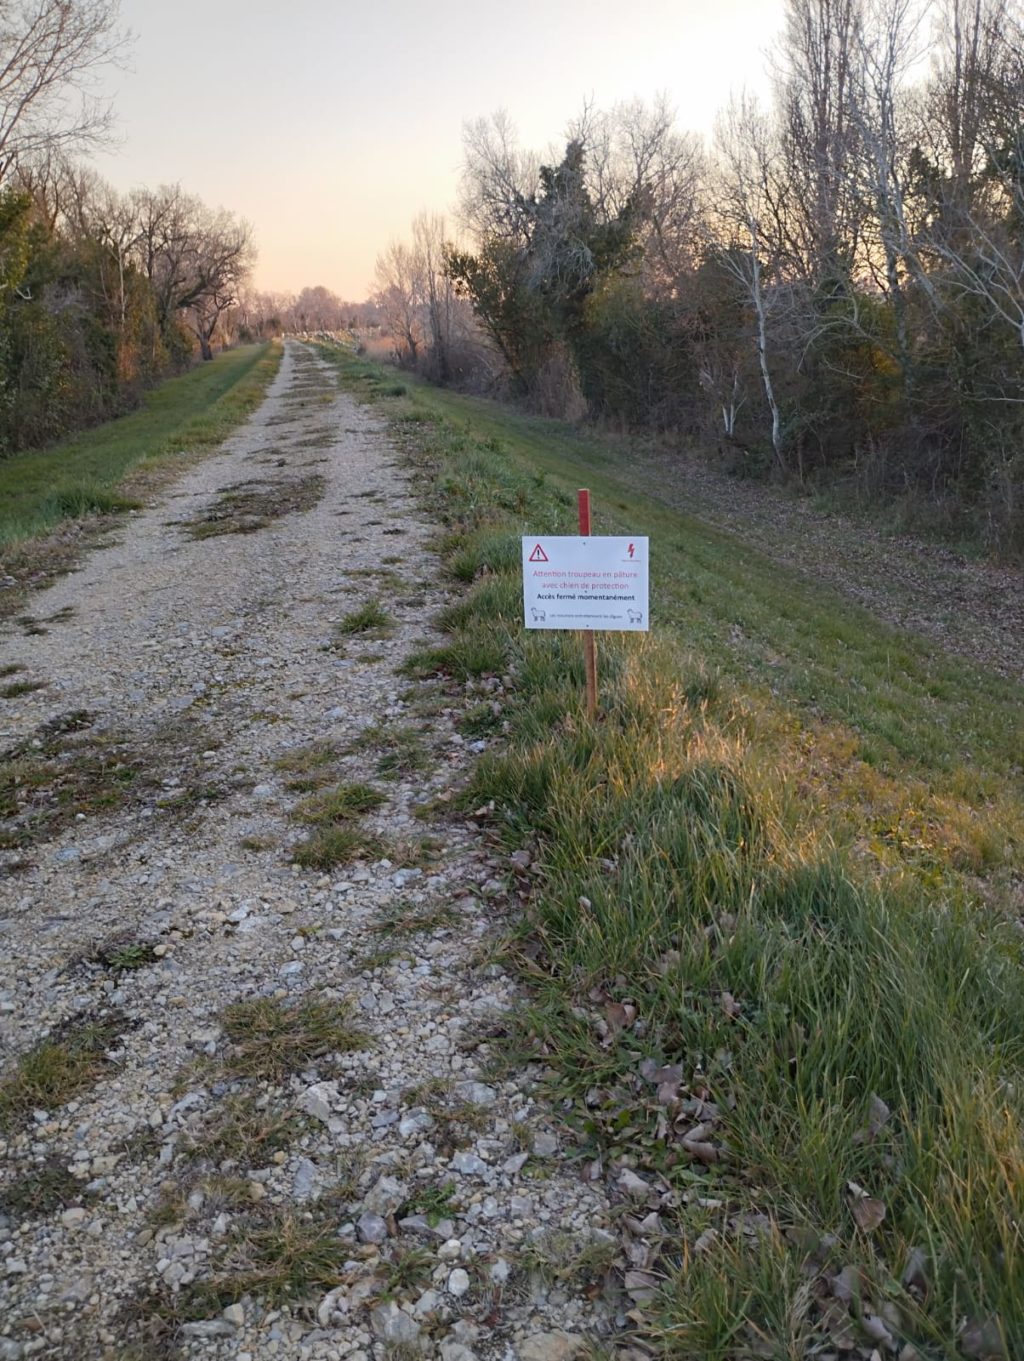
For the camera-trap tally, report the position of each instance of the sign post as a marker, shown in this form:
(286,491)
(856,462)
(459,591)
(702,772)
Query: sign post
(589,642)
(586,583)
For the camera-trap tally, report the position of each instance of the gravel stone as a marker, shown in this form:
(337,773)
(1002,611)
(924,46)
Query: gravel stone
(458,1283)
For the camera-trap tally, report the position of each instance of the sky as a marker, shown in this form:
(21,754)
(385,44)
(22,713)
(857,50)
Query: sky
(329,124)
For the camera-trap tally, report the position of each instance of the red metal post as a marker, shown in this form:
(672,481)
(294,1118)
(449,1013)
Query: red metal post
(589,645)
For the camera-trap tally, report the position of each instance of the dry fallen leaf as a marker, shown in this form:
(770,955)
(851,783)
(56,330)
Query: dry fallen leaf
(702,1152)
(640,1285)
(878,1117)
(982,1340)
(866,1210)
(729,1004)
(620,1016)
(631,1184)
(848,1284)
(877,1331)
(915,1273)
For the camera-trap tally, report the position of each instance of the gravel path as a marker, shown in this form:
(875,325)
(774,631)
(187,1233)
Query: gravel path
(177,673)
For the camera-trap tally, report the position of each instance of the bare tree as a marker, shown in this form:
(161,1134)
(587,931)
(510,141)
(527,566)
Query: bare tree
(888,44)
(747,150)
(317,309)
(977,234)
(400,295)
(813,81)
(498,180)
(50,54)
(636,155)
(195,258)
(971,46)
(429,241)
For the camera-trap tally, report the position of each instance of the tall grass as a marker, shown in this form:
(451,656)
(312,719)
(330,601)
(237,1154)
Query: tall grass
(806,1036)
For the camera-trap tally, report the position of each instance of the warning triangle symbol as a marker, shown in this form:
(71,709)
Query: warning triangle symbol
(538,555)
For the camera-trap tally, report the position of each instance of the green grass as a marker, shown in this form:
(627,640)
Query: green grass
(58,1069)
(369,620)
(333,814)
(18,688)
(772,945)
(247,1130)
(80,476)
(329,847)
(42,1190)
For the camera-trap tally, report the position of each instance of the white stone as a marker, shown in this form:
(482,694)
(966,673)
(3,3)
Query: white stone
(394,1325)
(553,1346)
(319,1100)
(458,1283)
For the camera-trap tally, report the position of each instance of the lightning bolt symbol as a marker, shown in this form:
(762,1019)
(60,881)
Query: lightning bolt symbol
(630,550)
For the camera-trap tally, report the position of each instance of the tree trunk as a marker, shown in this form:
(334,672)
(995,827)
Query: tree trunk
(762,347)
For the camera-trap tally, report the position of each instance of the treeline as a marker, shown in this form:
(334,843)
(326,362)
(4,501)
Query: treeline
(832,291)
(262,315)
(100,293)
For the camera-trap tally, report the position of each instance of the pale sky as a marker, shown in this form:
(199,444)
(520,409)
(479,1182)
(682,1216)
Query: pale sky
(329,124)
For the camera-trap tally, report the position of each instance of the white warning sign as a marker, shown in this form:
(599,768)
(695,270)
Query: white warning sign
(592,583)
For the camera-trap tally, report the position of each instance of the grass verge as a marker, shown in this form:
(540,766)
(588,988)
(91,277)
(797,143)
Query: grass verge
(773,941)
(52,500)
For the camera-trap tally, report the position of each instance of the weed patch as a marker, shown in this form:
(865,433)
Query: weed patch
(123,954)
(268,1038)
(18,688)
(69,766)
(343,803)
(58,1069)
(330,847)
(466,657)
(248,1130)
(250,506)
(370,620)
(40,1191)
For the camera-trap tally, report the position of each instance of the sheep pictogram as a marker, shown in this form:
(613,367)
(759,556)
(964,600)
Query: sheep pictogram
(635,616)
(539,616)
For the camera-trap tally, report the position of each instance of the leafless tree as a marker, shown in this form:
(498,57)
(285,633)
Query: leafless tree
(50,54)
(813,80)
(316,308)
(194,257)
(635,153)
(971,43)
(976,236)
(498,179)
(429,241)
(888,44)
(400,296)
(747,150)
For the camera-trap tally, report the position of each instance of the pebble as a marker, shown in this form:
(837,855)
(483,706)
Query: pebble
(371,1228)
(393,1325)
